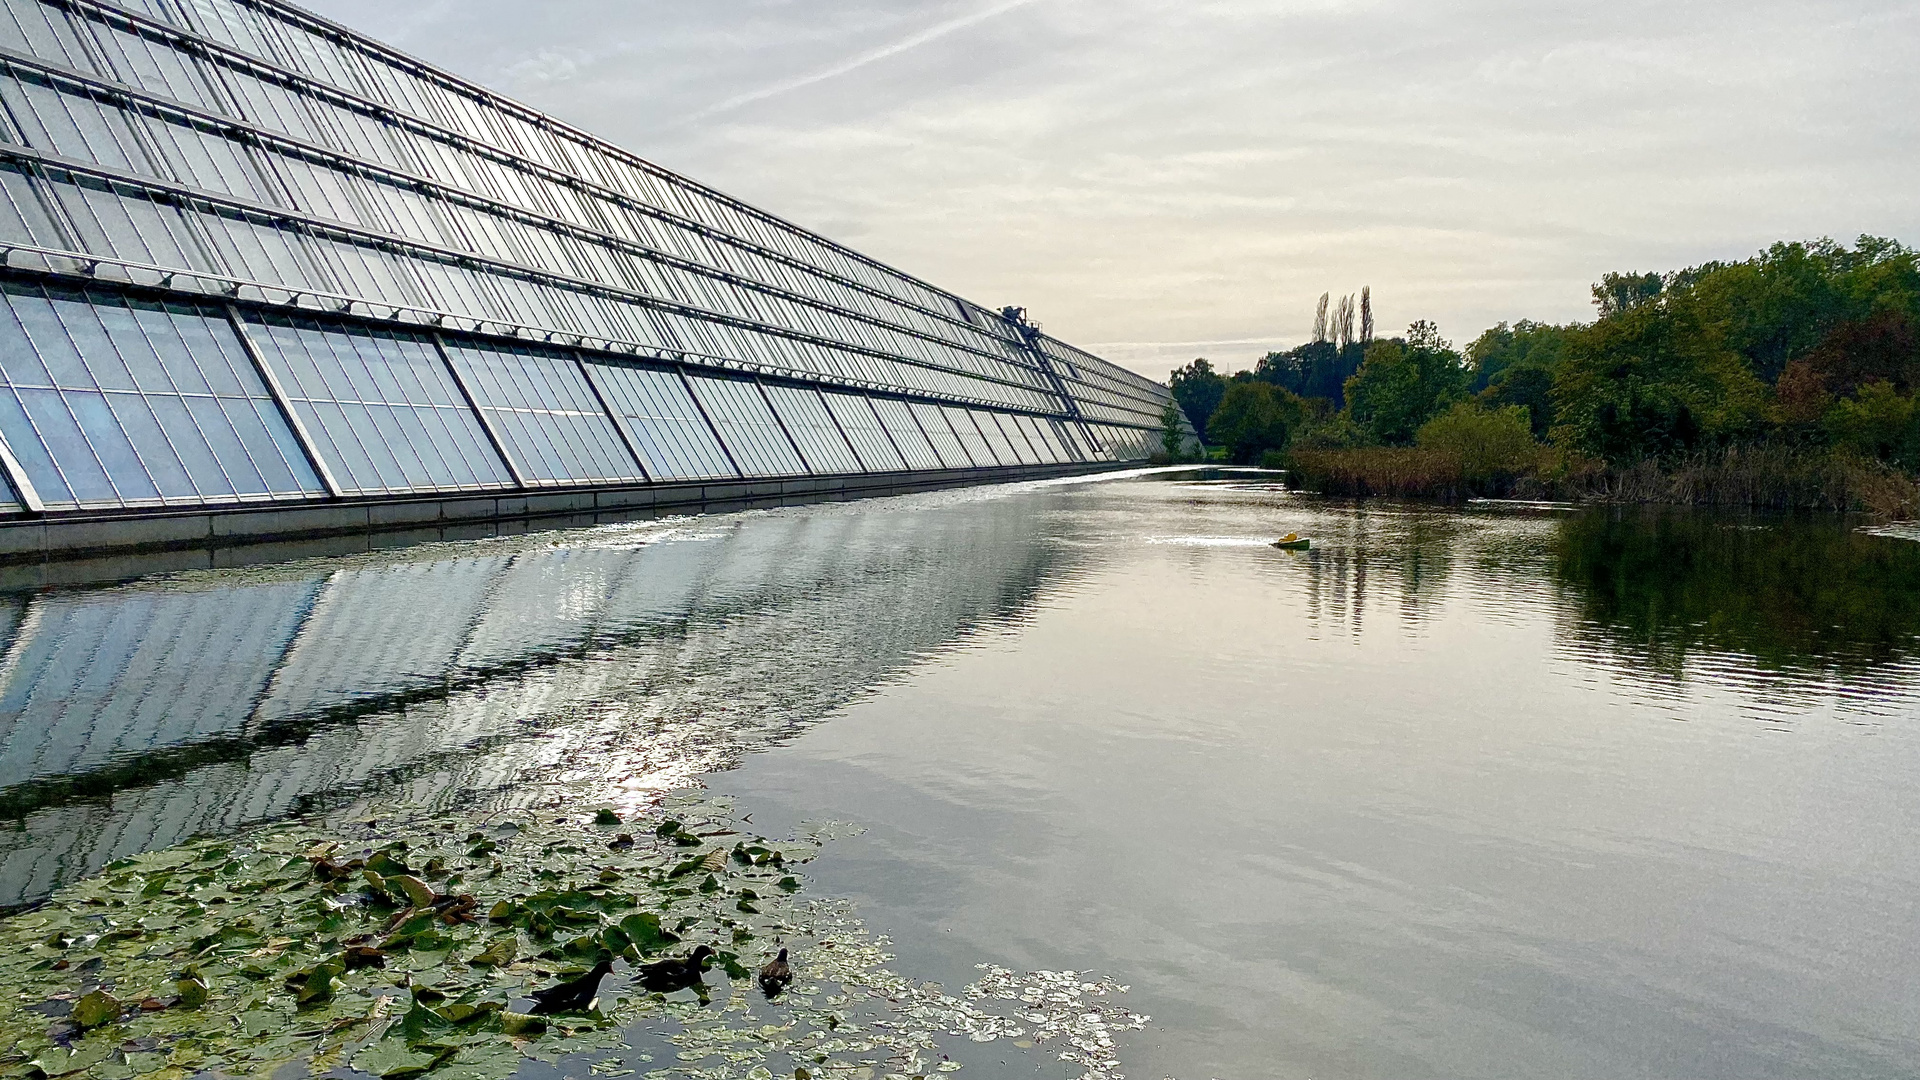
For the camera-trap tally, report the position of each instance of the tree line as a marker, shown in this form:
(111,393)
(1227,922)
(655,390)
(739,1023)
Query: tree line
(1812,347)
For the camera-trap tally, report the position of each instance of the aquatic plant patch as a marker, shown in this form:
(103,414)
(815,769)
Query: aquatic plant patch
(402,948)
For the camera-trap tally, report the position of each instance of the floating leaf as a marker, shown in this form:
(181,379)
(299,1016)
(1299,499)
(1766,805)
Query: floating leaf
(498,954)
(513,1023)
(192,989)
(386,865)
(315,984)
(95,1009)
(392,1059)
(359,956)
(417,892)
(643,930)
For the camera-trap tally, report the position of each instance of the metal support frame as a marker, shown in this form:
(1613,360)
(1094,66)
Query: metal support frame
(453,84)
(373,52)
(415,249)
(283,141)
(17,476)
(280,398)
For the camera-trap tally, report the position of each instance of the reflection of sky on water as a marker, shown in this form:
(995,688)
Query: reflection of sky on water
(1455,794)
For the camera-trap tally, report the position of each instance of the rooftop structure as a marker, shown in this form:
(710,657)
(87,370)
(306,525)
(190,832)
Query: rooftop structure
(254,261)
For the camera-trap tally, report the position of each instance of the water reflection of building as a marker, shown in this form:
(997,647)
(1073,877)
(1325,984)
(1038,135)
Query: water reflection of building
(135,716)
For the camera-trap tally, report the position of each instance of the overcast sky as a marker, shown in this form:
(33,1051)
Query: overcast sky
(1163,179)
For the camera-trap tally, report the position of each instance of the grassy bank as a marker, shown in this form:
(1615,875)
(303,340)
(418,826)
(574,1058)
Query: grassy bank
(1758,477)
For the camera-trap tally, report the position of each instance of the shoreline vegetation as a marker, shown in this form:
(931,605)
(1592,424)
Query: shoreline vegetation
(1788,381)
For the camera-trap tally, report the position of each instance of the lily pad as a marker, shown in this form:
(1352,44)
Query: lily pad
(392,1059)
(498,954)
(96,1009)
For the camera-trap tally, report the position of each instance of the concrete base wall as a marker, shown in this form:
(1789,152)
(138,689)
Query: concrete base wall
(90,546)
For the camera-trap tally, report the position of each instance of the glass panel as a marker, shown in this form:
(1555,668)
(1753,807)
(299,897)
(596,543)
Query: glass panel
(69,462)
(740,413)
(863,428)
(953,454)
(29,222)
(814,428)
(1074,446)
(663,421)
(1041,437)
(912,443)
(969,434)
(42,30)
(325,370)
(996,439)
(192,426)
(544,409)
(161,429)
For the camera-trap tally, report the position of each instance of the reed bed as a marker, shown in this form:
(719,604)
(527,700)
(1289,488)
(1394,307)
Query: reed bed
(1764,476)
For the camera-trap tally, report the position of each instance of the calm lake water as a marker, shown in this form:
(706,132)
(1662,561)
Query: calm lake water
(1494,792)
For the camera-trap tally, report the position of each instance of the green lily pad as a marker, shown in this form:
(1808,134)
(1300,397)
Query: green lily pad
(417,892)
(95,1009)
(392,1059)
(498,954)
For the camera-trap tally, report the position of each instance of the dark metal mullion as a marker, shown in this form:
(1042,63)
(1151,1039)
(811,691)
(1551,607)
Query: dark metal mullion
(285,404)
(834,419)
(718,436)
(486,422)
(619,427)
(887,434)
(781,422)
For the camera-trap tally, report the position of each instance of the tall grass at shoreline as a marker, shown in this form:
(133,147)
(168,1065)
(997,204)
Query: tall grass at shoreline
(1761,477)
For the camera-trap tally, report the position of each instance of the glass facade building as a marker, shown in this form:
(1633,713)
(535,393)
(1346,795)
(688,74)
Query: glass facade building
(252,257)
